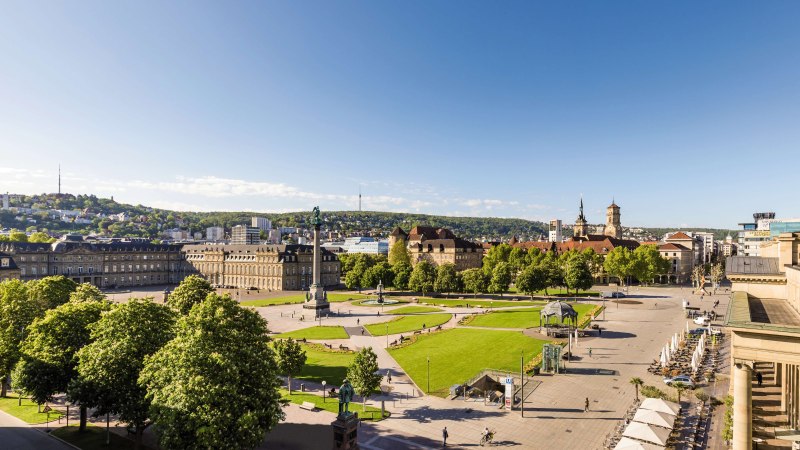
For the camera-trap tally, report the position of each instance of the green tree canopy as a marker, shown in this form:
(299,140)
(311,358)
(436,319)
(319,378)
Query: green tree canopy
(402,273)
(290,357)
(17,236)
(553,271)
(17,312)
(364,374)
(422,277)
(619,263)
(192,290)
(475,281)
(578,276)
(648,263)
(399,253)
(86,292)
(51,291)
(40,237)
(447,279)
(495,255)
(532,279)
(380,272)
(215,385)
(501,278)
(49,361)
(108,367)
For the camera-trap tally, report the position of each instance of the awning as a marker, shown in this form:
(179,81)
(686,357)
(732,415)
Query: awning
(656,418)
(630,444)
(647,433)
(656,404)
(788,435)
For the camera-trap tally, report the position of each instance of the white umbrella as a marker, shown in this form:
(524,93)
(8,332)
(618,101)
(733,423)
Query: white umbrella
(656,418)
(643,432)
(687,326)
(672,347)
(631,444)
(656,404)
(576,337)
(694,363)
(663,358)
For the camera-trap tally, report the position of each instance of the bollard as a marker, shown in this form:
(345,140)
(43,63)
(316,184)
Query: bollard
(302,387)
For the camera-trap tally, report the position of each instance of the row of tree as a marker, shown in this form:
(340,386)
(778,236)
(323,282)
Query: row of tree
(200,367)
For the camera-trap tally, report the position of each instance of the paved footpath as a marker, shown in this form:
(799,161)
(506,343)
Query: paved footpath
(18,435)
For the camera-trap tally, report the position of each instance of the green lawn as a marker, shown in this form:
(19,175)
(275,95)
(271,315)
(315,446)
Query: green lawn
(479,302)
(408,323)
(459,354)
(332,405)
(300,298)
(28,412)
(518,318)
(414,310)
(94,438)
(323,332)
(322,364)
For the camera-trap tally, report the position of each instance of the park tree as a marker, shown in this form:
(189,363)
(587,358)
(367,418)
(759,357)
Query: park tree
(48,353)
(619,263)
(553,271)
(532,279)
(496,255)
(109,367)
(354,277)
(290,357)
(401,274)
(380,272)
(534,256)
(717,274)
(422,277)
(364,375)
(17,312)
(578,276)
(399,253)
(636,382)
(698,276)
(475,281)
(216,384)
(517,259)
(17,236)
(51,291)
(40,237)
(192,290)
(447,279)
(648,263)
(86,292)
(501,278)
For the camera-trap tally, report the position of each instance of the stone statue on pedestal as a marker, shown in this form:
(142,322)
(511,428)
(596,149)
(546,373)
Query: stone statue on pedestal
(346,393)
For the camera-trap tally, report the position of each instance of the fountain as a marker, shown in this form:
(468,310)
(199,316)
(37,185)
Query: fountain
(380,300)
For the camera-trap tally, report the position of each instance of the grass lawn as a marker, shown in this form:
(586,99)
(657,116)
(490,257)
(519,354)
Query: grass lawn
(408,323)
(459,354)
(414,310)
(28,412)
(331,405)
(479,302)
(300,298)
(322,364)
(323,332)
(519,318)
(94,438)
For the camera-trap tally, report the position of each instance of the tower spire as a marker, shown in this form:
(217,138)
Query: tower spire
(581,212)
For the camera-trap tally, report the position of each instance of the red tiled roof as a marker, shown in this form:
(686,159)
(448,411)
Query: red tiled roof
(600,244)
(680,235)
(671,246)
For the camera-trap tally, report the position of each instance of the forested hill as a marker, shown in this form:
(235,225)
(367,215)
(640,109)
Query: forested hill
(149,222)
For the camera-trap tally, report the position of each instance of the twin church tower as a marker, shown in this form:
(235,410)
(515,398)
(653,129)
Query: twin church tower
(613,226)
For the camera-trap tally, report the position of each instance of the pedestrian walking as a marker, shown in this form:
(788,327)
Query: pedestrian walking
(358,321)
(760,378)
(590,352)
(444,437)
(599,331)
(389,376)
(362,331)
(586,405)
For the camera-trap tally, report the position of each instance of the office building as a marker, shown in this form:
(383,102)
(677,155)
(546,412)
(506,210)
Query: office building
(244,235)
(215,234)
(555,231)
(262,223)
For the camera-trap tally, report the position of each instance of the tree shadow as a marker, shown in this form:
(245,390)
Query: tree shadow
(608,334)
(426,414)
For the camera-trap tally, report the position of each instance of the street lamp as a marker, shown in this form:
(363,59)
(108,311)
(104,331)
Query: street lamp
(429,375)
(387,335)
(323,390)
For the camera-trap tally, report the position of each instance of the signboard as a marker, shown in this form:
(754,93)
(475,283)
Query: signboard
(757,233)
(509,392)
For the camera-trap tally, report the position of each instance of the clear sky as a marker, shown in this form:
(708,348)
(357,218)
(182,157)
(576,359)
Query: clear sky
(686,113)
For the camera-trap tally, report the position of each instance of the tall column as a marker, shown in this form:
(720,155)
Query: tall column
(317,257)
(776,368)
(742,412)
(784,384)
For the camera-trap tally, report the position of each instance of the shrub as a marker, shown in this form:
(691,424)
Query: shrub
(727,430)
(652,392)
(701,395)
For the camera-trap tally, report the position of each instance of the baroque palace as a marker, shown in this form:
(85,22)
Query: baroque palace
(127,263)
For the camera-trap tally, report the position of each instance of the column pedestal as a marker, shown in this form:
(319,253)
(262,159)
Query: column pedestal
(317,300)
(742,411)
(345,432)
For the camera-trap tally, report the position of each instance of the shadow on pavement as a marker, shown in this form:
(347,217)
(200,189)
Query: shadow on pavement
(426,414)
(298,436)
(609,334)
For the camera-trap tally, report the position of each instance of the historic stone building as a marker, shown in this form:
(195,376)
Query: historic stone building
(764,321)
(581,227)
(613,222)
(270,267)
(439,246)
(8,268)
(103,264)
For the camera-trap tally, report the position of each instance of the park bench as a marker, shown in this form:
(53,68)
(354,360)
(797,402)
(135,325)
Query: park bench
(301,340)
(439,328)
(309,406)
(418,332)
(343,347)
(328,345)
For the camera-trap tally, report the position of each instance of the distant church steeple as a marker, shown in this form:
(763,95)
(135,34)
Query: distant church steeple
(581,227)
(613,221)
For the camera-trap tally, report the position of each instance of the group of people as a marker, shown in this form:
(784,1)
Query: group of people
(486,436)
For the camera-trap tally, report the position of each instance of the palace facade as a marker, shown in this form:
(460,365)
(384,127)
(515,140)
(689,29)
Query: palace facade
(439,246)
(270,267)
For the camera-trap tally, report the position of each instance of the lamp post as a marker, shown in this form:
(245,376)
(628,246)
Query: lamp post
(323,390)
(429,375)
(522,383)
(387,335)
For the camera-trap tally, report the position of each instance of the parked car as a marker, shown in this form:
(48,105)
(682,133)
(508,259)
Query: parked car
(614,294)
(699,331)
(684,379)
(702,320)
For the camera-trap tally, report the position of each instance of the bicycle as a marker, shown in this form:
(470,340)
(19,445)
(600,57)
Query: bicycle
(487,438)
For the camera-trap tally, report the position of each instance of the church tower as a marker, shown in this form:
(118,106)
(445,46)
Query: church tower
(613,221)
(581,227)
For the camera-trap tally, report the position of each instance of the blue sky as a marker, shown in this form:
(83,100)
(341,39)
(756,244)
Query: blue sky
(688,114)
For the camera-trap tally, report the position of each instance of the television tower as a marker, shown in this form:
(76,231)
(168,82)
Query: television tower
(59,179)
(359,198)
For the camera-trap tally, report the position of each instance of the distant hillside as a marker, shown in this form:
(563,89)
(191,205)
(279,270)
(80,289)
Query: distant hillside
(94,218)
